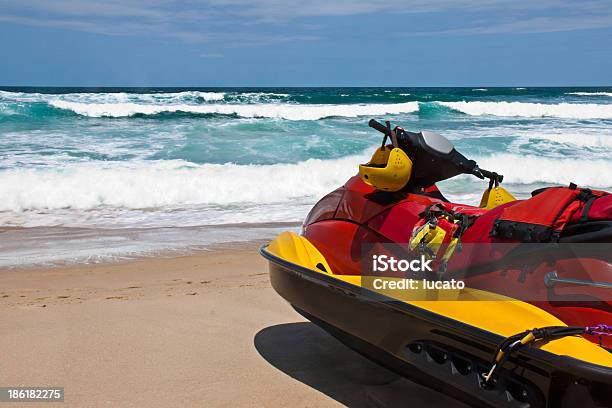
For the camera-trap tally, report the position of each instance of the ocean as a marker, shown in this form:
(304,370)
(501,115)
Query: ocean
(97,174)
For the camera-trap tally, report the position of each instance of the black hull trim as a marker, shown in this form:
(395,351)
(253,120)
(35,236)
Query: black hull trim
(436,351)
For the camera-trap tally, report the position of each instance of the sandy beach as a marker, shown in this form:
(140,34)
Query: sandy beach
(199,330)
(148,149)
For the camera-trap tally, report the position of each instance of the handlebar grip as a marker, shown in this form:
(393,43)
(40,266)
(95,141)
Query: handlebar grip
(490,175)
(379,126)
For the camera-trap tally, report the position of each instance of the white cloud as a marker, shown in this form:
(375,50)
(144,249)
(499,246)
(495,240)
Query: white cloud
(231,21)
(527,26)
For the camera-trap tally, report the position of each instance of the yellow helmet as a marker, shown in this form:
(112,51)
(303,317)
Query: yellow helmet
(389,169)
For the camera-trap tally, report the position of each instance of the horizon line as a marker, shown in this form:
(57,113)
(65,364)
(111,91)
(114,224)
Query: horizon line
(298,86)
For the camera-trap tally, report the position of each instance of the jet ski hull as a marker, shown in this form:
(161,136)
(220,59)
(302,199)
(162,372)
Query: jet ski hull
(433,349)
(354,222)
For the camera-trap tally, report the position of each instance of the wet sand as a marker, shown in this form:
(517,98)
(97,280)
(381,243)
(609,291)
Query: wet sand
(200,330)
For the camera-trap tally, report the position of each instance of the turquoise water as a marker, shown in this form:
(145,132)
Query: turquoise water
(122,159)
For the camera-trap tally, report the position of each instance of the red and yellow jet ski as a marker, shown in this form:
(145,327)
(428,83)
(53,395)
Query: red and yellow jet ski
(514,308)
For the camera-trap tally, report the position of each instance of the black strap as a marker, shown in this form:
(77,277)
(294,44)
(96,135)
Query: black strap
(384,142)
(587,207)
(435,211)
(464,224)
(513,343)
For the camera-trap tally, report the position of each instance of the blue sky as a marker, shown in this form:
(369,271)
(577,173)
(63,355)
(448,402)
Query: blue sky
(306,43)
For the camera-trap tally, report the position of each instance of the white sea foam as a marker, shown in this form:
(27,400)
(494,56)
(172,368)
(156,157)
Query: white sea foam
(139,185)
(259,94)
(528,169)
(121,97)
(169,183)
(292,111)
(480,89)
(585,139)
(260,104)
(60,246)
(207,96)
(590,93)
(113,97)
(268,110)
(533,110)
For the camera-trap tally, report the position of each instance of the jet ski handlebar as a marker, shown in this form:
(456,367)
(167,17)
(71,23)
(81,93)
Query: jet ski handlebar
(380,127)
(491,175)
(476,171)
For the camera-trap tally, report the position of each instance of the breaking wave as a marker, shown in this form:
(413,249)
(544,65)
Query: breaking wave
(115,97)
(169,183)
(175,183)
(590,93)
(268,110)
(533,110)
(294,111)
(277,105)
(527,169)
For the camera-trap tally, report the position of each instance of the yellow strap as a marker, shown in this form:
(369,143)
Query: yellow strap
(431,237)
(435,239)
(450,249)
(528,338)
(499,356)
(419,235)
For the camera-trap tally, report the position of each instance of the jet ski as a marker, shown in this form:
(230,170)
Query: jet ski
(504,304)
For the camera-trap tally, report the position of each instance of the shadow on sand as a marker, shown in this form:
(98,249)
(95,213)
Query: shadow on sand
(310,355)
